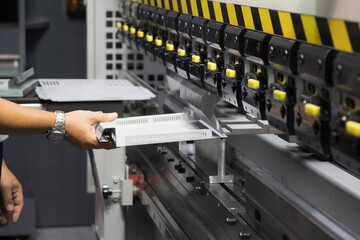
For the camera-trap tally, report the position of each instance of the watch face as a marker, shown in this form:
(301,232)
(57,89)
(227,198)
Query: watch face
(56,137)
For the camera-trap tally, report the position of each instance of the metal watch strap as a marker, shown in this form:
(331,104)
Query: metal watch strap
(59,122)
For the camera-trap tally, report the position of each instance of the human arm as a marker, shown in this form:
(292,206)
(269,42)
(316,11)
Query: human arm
(15,119)
(11,197)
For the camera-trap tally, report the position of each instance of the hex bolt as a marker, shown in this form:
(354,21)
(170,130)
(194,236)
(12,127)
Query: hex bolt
(231,221)
(244,235)
(116,180)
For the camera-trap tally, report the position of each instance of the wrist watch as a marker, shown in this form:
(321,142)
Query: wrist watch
(57,133)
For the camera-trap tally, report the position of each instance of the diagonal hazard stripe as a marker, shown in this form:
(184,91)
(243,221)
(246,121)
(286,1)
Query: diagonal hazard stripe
(354,34)
(194,8)
(199,7)
(266,22)
(167,4)
(311,29)
(189,7)
(217,11)
(224,12)
(184,7)
(159,3)
(248,19)
(211,10)
(239,16)
(175,5)
(205,9)
(256,18)
(287,25)
(298,27)
(324,31)
(152,3)
(340,35)
(232,14)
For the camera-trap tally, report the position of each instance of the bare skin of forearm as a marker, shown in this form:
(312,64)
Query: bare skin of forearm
(15,119)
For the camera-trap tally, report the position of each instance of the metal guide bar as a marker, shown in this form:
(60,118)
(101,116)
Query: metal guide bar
(339,34)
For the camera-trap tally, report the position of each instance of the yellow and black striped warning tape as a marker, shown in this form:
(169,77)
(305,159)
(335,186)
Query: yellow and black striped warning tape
(339,34)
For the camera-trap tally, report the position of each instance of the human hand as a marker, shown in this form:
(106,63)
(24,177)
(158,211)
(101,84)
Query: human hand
(80,130)
(12,198)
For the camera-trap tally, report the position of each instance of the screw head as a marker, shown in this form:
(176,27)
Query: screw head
(319,63)
(339,69)
(286,54)
(302,59)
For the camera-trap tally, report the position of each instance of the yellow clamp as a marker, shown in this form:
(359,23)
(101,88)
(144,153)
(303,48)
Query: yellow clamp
(158,42)
(312,110)
(230,73)
(195,58)
(140,33)
(132,30)
(126,27)
(254,84)
(353,128)
(181,52)
(149,38)
(170,47)
(118,24)
(279,95)
(211,66)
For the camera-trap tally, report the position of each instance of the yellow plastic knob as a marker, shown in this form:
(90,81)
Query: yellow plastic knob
(353,128)
(132,30)
(140,34)
(149,38)
(170,47)
(126,28)
(158,42)
(181,52)
(254,84)
(211,66)
(312,110)
(280,95)
(230,73)
(195,58)
(118,24)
